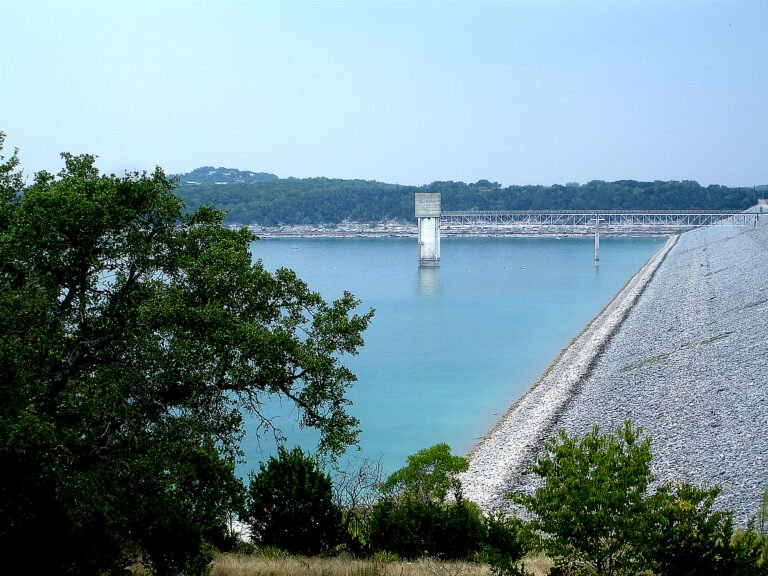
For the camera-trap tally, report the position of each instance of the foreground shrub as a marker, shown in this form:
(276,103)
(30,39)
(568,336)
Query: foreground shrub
(423,512)
(507,541)
(356,489)
(413,528)
(748,554)
(686,536)
(594,514)
(401,528)
(590,506)
(431,475)
(290,505)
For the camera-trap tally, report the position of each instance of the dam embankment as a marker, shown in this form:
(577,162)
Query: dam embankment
(682,351)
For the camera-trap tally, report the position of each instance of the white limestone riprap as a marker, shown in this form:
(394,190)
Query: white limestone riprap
(680,351)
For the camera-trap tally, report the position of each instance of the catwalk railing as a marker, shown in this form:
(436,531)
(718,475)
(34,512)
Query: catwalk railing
(678,220)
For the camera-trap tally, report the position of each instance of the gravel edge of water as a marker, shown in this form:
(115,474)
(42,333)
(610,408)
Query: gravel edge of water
(687,363)
(530,420)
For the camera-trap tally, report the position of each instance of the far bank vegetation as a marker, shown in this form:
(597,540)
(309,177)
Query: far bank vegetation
(313,201)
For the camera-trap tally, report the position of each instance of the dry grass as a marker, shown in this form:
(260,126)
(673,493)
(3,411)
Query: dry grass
(255,565)
(538,566)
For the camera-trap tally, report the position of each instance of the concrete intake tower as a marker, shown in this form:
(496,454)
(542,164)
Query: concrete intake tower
(428,218)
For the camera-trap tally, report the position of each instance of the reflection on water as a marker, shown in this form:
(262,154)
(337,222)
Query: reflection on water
(429,280)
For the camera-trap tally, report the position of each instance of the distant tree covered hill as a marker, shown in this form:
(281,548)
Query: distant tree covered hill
(218,176)
(305,201)
(276,201)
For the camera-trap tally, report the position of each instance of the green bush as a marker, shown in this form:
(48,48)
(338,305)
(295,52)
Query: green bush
(595,514)
(507,534)
(412,528)
(430,475)
(423,512)
(290,505)
(460,531)
(590,506)
(748,554)
(685,536)
(399,528)
(507,541)
(273,553)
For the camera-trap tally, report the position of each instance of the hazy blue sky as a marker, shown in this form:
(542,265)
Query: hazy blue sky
(410,92)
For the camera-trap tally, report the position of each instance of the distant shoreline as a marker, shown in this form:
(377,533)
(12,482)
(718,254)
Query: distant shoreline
(399,230)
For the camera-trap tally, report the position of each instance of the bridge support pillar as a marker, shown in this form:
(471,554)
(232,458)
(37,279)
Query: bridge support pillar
(428,218)
(597,239)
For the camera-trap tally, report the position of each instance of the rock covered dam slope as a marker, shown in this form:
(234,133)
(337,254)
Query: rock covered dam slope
(683,352)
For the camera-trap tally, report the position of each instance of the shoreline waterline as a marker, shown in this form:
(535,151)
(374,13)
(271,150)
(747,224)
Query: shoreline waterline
(400,230)
(529,420)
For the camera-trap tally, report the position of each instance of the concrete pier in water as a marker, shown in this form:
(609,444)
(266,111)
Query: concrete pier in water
(428,218)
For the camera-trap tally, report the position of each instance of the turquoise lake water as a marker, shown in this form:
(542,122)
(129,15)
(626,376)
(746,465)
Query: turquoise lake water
(450,348)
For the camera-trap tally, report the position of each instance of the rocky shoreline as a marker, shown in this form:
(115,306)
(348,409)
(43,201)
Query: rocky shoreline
(532,419)
(680,351)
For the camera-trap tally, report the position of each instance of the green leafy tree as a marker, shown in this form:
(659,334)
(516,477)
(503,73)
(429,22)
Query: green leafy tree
(686,537)
(416,516)
(135,337)
(591,503)
(762,514)
(508,539)
(748,553)
(412,528)
(430,475)
(594,514)
(290,505)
